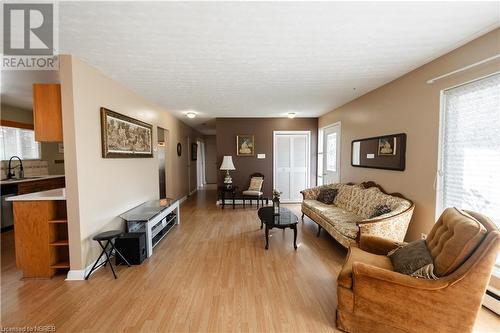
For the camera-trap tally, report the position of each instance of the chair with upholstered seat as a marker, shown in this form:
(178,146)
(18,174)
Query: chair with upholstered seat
(254,190)
(372,297)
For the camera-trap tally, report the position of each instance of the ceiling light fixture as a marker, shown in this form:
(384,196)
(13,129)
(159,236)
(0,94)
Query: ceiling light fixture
(191,114)
(291,115)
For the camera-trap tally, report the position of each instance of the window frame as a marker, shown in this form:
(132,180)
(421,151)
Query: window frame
(438,181)
(25,126)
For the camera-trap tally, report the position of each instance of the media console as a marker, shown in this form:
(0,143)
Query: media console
(156,218)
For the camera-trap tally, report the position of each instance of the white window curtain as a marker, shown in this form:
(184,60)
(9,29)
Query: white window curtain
(470,148)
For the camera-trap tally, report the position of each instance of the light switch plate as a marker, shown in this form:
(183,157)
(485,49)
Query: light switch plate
(370,156)
(261,156)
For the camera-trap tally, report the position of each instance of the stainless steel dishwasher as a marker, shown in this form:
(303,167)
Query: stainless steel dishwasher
(7,215)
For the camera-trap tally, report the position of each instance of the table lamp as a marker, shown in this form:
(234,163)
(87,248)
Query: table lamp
(227,164)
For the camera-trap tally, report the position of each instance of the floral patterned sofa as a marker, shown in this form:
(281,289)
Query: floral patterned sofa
(349,216)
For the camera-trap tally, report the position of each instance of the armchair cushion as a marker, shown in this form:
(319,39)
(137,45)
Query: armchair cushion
(357,255)
(413,259)
(453,239)
(256,184)
(252,193)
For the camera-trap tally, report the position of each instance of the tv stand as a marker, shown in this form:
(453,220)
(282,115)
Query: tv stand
(155,218)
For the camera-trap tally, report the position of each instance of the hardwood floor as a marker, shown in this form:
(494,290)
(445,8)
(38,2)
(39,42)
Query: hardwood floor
(210,274)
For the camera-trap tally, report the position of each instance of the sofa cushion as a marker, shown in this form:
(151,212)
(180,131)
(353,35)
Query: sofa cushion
(342,220)
(316,206)
(365,201)
(327,195)
(453,239)
(380,210)
(357,255)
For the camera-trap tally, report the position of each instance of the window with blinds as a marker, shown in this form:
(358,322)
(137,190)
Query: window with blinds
(470,148)
(20,142)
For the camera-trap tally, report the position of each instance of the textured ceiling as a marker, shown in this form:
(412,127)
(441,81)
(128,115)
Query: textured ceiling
(248,59)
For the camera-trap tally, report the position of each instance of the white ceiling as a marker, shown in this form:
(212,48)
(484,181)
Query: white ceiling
(249,59)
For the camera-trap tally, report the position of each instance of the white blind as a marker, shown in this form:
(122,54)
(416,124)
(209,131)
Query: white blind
(470,158)
(20,142)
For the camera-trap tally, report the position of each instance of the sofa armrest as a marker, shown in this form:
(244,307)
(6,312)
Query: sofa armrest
(377,245)
(311,193)
(391,227)
(367,275)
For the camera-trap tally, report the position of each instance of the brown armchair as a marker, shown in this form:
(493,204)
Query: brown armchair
(374,298)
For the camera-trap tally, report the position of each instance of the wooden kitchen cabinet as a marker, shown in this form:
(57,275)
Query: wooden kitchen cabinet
(40,185)
(47,112)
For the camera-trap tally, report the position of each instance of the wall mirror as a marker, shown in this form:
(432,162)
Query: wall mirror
(380,152)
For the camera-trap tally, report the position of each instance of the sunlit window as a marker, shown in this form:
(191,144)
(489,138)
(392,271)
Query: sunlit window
(20,142)
(470,152)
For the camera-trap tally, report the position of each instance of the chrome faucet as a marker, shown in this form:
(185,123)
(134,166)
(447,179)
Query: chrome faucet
(11,174)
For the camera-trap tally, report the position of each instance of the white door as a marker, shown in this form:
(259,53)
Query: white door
(331,153)
(291,164)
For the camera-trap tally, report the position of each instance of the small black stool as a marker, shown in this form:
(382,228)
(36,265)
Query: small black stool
(108,236)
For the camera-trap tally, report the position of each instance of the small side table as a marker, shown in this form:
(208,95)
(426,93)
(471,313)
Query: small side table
(227,189)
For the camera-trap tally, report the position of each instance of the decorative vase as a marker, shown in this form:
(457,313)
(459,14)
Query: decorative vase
(276,202)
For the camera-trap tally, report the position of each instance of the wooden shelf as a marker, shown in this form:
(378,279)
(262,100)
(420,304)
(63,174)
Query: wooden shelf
(59,221)
(61,264)
(59,243)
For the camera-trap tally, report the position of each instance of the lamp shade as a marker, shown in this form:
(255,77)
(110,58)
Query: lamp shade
(227,163)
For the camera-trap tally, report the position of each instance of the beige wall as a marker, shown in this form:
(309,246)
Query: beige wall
(410,105)
(50,150)
(99,189)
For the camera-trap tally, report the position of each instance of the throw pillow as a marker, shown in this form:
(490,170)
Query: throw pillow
(256,184)
(413,259)
(380,210)
(327,195)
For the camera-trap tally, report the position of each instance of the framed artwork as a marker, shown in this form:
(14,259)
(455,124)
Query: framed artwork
(380,152)
(387,146)
(245,145)
(179,149)
(194,152)
(125,137)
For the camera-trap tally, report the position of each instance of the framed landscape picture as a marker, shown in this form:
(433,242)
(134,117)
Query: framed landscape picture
(245,145)
(125,137)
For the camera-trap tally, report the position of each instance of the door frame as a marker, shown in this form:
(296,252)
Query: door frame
(308,153)
(321,142)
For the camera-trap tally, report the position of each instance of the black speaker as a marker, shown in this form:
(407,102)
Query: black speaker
(132,246)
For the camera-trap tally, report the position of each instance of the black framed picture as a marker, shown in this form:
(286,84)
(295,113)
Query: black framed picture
(179,149)
(125,137)
(194,151)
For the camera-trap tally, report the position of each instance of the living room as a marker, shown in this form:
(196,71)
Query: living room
(191,132)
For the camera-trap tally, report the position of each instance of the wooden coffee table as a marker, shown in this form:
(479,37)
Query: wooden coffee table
(286,219)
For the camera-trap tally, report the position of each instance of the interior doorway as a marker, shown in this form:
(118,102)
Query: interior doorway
(200,165)
(291,163)
(162,156)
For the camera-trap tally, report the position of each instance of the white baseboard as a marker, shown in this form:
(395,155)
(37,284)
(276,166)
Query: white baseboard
(491,302)
(192,192)
(79,274)
(184,198)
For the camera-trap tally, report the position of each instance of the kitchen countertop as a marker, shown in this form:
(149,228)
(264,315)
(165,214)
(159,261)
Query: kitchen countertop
(56,194)
(29,179)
